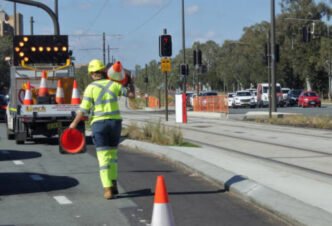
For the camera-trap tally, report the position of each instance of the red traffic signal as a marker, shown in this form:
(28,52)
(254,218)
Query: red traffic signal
(165,45)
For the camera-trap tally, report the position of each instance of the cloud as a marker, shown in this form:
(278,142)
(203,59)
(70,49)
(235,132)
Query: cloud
(210,35)
(192,10)
(144,2)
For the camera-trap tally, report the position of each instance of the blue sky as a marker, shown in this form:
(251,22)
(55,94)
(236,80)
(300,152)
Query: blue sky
(133,26)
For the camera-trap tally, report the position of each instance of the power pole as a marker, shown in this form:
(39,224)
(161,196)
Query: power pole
(104,48)
(31,25)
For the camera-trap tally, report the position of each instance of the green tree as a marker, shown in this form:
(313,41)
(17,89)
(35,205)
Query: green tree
(5,51)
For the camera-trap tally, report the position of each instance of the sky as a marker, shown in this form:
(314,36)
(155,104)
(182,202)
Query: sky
(132,27)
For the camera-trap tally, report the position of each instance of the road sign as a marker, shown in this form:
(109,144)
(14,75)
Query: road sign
(166,65)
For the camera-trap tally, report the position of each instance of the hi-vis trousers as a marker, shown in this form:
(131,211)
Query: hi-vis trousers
(106,137)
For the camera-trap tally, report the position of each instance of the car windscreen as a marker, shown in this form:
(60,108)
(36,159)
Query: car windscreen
(243,94)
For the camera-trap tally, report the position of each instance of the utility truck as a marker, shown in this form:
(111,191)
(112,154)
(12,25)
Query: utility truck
(42,115)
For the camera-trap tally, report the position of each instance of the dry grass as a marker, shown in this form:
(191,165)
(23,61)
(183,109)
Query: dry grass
(155,133)
(322,122)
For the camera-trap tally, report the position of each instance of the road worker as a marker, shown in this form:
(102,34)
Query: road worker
(100,101)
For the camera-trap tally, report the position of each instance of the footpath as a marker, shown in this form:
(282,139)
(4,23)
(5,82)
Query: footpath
(297,196)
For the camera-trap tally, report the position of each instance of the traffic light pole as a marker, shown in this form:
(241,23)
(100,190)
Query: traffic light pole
(166,97)
(273,57)
(184,49)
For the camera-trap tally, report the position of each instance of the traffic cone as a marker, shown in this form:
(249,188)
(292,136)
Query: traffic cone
(43,91)
(59,96)
(162,213)
(28,95)
(116,72)
(75,97)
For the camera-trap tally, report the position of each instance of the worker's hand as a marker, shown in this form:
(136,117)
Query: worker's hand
(72,125)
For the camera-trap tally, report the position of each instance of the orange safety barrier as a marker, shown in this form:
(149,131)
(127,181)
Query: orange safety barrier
(153,102)
(211,103)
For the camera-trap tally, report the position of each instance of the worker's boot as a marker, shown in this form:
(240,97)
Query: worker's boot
(107,193)
(115,190)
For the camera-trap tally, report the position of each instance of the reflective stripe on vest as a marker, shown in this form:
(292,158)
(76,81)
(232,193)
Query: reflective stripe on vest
(99,101)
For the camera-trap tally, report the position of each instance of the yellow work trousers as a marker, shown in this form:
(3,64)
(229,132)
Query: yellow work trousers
(108,166)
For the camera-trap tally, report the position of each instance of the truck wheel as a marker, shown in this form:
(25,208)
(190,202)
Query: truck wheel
(19,141)
(10,135)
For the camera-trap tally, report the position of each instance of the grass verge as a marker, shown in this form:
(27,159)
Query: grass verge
(156,133)
(321,122)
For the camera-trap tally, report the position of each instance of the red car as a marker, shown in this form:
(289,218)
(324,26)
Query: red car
(309,98)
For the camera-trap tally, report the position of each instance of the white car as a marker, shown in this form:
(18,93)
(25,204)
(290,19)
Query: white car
(285,93)
(244,99)
(230,99)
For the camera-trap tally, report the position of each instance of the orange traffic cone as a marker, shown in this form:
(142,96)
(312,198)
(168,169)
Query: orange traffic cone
(59,96)
(43,91)
(28,95)
(162,213)
(116,72)
(75,97)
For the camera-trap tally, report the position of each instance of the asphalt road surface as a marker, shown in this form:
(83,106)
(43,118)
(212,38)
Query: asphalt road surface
(39,186)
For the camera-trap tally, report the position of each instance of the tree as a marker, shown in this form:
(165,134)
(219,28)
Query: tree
(5,51)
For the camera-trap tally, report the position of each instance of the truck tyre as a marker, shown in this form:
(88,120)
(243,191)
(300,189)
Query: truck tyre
(10,134)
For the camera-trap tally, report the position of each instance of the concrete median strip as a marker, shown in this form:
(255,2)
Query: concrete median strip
(281,204)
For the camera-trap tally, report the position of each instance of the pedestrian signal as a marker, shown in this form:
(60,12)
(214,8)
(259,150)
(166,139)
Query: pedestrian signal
(165,45)
(40,49)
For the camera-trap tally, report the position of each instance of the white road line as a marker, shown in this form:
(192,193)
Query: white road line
(36,177)
(62,200)
(18,162)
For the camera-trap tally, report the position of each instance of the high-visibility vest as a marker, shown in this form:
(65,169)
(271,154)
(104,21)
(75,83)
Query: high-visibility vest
(100,100)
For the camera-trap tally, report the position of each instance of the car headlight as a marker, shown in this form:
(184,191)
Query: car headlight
(306,99)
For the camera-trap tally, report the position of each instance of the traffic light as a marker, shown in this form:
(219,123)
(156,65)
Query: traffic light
(184,69)
(277,53)
(40,49)
(306,34)
(197,57)
(165,45)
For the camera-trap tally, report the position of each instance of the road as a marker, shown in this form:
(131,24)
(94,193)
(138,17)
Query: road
(294,162)
(39,186)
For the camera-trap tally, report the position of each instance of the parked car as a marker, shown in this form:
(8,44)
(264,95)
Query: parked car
(3,107)
(293,96)
(309,98)
(285,92)
(244,99)
(189,95)
(208,93)
(230,99)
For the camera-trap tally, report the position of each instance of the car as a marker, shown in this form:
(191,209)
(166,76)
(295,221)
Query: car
(189,95)
(3,107)
(207,97)
(244,99)
(293,96)
(208,93)
(230,99)
(285,92)
(308,99)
